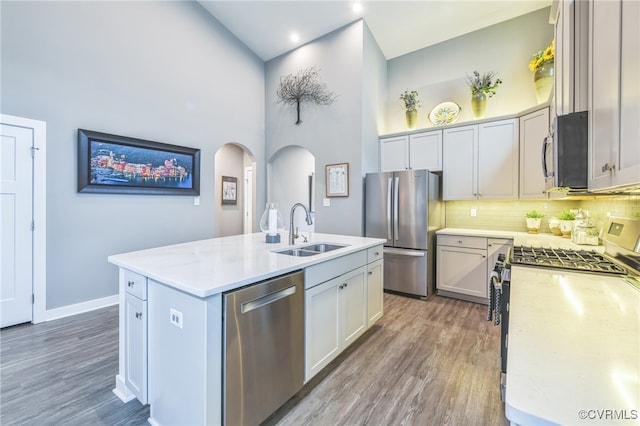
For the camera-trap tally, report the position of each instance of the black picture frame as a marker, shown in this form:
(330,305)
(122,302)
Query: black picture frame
(115,164)
(229,191)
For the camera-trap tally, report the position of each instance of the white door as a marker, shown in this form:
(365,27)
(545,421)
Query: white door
(16,209)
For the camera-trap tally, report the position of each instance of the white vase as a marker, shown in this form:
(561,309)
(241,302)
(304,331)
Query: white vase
(533,224)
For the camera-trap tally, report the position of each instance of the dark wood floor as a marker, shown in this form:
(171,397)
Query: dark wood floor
(433,362)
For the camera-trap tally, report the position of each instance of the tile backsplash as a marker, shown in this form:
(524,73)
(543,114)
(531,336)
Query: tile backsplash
(509,215)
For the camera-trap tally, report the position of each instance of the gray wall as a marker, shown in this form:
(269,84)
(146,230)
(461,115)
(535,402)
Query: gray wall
(438,72)
(290,184)
(163,71)
(335,133)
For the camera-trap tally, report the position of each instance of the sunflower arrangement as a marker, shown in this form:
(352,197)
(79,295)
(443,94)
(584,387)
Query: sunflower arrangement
(542,56)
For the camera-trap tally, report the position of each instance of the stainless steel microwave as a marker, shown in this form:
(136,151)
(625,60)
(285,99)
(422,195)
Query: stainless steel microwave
(565,161)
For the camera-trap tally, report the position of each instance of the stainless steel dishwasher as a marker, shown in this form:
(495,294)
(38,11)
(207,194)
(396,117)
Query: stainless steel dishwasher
(263,348)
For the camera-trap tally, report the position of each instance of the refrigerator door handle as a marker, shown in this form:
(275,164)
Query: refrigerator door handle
(395,208)
(401,252)
(389,188)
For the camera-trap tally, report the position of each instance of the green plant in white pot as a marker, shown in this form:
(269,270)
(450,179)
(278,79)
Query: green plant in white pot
(534,219)
(566,218)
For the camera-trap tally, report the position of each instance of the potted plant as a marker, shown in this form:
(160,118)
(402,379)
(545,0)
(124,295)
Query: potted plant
(411,104)
(566,218)
(542,67)
(481,86)
(534,219)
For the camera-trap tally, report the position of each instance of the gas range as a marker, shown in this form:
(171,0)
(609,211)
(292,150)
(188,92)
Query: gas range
(621,239)
(576,260)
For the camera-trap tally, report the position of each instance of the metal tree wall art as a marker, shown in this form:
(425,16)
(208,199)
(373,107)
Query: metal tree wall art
(304,87)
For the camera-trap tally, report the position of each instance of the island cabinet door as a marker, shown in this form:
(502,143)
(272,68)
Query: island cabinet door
(353,306)
(136,346)
(375,294)
(322,335)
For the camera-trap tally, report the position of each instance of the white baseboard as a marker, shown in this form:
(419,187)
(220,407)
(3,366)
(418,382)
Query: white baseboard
(79,308)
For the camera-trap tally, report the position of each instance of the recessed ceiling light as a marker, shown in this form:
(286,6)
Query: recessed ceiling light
(294,37)
(357,7)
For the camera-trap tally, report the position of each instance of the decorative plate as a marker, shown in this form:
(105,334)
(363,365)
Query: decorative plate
(444,113)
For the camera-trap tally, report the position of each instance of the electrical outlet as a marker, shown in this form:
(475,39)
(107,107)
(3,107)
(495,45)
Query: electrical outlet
(175,317)
(474,212)
(196,201)
(326,202)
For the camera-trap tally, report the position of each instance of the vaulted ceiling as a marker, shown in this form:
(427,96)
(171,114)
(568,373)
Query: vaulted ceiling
(399,27)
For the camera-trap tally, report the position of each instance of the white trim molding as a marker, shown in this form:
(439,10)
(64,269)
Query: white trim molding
(79,308)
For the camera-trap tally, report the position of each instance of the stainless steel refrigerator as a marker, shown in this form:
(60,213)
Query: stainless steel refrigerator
(405,208)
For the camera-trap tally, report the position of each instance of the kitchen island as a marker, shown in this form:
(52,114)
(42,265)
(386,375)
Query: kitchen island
(171,316)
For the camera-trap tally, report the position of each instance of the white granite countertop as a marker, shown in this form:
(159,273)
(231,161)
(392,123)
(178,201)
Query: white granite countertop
(207,267)
(522,238)
(574,349)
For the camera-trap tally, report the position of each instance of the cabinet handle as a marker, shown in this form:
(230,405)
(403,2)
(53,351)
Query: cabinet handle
(459,241)
(139,315)
(377,253)
(370,273)
(131,283)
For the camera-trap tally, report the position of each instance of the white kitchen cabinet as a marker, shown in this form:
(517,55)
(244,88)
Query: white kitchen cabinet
(352,299)
(481,161)
(464,264)
(135,334)
(394,153)
(335,316)
(415,151)
(534,127)
(614,128)
(461,267)
(462,270)
(375,292)
(571,58)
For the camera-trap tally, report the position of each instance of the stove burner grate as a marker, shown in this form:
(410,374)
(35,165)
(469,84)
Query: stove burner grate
(578,260)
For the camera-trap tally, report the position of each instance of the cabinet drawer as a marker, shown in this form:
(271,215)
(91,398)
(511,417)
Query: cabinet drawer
(135,284)
(462,241)
(374,253)
(316,274)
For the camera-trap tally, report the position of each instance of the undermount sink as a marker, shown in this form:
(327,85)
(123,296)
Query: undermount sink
(298,252)
(322,247)
(311,249)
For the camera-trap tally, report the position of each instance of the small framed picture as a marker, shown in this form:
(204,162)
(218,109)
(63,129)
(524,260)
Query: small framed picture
(229,190)
(337,180)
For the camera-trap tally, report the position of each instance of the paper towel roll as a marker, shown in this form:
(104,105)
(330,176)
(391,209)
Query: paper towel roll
(273,221)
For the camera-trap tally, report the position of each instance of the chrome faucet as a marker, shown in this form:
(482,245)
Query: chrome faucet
(292,234)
